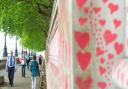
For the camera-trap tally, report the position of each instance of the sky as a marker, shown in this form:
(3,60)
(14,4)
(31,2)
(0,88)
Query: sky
(10,44)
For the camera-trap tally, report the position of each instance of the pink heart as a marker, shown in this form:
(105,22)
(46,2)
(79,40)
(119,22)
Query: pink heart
(97,10)
(118,47)
(102,60)
(110,56)
(102,22)
(102,70)
(109,37)
(84,84)
(82,38)
(104,1)
(102,85)
(86,10)
(99,51)
(82,20)
(113,7)
(83,59)
(117,23)
(80,3)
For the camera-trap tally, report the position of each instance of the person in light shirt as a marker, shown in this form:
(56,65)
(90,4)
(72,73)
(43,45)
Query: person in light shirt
(11,67)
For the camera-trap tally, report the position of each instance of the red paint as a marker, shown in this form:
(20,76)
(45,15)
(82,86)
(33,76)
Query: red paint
(104,1)
(99,51)
(102,85)
(84,84)
(113,7)
(82,20)
(102,60)
(97,10)
(118,47)
(84,59)
(80,3)
(102,70)
(116,23)
(102,22)
(82,38)
(109,37)
(110,56)
(86,10)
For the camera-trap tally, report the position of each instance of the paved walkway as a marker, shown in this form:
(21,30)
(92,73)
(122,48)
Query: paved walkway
(19,82)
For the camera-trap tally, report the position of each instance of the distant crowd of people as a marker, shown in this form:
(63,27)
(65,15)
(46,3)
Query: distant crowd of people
(31,63)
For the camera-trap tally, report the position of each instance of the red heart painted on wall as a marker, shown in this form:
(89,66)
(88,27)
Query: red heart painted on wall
(99,51)
(104,1)
(117,23)
(84,84)
(102,70)
(86,10)
(82,20)
(118,47)
(97,9)
(80,3)
(84,59)
(109,37)
(110,56)
(113,7)
(82,38)
(102,22)
(102,85)
(102,60)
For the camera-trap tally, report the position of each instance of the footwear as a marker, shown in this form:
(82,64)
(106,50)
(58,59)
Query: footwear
(11,85)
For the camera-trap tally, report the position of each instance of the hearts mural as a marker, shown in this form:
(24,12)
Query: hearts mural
(97,10)
(118,47)
(113,7)
(102,22)
(102,60)
(86,10)
(102,85)
(82,20)
(109,37)
(116,23)
(84,59)
(84,84)
(104,1)
(80,3)
(110,56)
(99,51)
(102,70)
(82,38)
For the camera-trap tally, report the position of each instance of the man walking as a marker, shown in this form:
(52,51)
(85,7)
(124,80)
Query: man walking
(11,68)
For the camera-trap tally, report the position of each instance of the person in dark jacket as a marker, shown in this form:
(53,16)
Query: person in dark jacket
(34,68)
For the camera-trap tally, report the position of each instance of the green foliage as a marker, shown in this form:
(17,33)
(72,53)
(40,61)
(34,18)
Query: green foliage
(27,19)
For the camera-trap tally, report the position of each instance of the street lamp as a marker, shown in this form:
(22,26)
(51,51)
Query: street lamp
(5,54)
(16,51)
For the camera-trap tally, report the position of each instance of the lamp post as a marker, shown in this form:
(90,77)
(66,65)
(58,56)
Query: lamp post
(16,51)
(5,54)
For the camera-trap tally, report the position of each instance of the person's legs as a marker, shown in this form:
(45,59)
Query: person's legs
(35,82)
(32,82)
(9,75)
(12,75)
(22,70)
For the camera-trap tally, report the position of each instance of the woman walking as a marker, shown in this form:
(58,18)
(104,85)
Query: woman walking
(34,68)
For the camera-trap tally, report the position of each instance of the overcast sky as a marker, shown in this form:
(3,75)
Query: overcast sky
(10,44)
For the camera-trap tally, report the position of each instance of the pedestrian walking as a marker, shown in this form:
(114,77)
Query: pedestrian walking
(11,67)
(34,68)
(40,60)
(24,66)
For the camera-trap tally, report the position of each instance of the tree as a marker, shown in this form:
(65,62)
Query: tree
(28,20)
